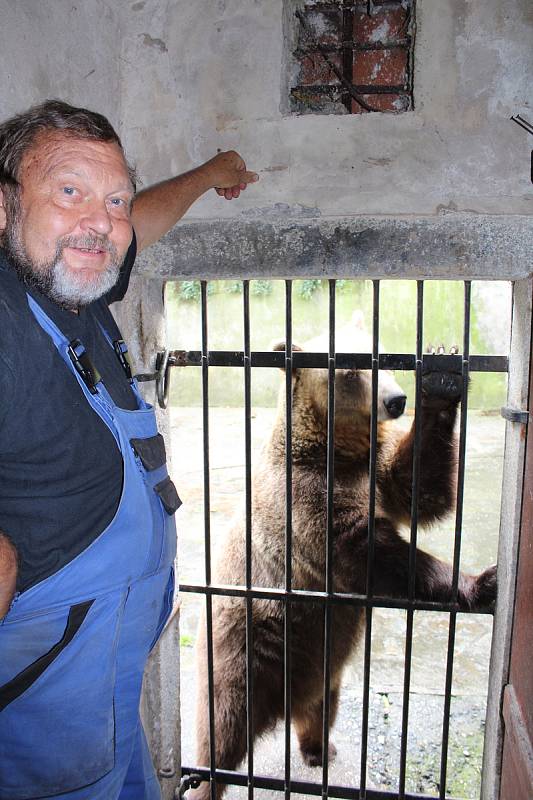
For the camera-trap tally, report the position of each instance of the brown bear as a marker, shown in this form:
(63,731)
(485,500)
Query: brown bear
(441,393)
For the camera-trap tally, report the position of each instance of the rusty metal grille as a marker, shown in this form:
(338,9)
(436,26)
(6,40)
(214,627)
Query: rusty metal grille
(289,596)
(356,56)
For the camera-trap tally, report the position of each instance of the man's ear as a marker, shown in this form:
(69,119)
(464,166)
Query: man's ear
(280,347)
(3,216)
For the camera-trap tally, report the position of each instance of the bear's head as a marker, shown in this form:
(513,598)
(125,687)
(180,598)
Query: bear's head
(353,396)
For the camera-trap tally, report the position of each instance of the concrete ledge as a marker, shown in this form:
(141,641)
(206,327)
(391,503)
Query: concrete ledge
(460,246)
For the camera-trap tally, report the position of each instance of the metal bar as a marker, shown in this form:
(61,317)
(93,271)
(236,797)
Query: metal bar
(330,479)
(336,598)
(311,360)
(347,50)
(457,543)
(411,49)
(527,126)
(248,533)
(367,88)
(207,539)
(515,415)
(415,487)
(304,787)
(357,6)
(288,534)
(355,46)
(371,532)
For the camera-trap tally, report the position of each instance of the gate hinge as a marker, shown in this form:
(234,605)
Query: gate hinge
(515,415)
(191,781)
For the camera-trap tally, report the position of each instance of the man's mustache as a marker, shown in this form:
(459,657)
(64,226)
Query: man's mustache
(88,242)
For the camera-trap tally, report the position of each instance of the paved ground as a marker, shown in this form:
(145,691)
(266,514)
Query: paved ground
(483,482)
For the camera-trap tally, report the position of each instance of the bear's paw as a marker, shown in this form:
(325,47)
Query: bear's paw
(442,388)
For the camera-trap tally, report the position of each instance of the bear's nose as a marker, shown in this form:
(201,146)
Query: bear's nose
(395,405)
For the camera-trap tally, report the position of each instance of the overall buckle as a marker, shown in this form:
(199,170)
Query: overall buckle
(121,349)
(84,366)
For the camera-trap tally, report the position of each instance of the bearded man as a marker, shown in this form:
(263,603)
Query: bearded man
(87,537)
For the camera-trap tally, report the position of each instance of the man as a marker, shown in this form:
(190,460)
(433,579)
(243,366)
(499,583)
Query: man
(87,537)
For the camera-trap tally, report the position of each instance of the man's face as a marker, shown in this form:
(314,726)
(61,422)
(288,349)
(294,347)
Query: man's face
(71,228)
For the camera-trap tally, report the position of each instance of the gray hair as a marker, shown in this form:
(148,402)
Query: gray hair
(18,134)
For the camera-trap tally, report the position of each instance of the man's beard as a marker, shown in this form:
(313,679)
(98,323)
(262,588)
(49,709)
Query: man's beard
(66,287)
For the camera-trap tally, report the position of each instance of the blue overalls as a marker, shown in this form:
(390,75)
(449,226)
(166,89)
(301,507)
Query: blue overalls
(73,647)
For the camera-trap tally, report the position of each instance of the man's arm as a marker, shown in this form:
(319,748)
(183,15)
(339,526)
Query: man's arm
(8,574)
(157,209)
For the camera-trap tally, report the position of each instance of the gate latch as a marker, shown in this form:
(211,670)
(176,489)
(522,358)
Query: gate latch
(515,415)
(164,360)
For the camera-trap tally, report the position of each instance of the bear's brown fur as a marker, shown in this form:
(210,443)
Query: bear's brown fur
(440,399)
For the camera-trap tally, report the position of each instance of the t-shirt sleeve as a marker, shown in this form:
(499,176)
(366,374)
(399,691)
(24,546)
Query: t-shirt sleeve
(121,286)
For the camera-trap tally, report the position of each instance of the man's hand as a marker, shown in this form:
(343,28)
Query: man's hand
(228,175)
(157,209)
(8,574)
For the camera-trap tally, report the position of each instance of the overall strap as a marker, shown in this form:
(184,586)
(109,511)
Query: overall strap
(120,349)
(77,360)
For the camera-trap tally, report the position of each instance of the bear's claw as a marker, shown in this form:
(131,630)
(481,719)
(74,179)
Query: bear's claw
(486,589)
(442,388)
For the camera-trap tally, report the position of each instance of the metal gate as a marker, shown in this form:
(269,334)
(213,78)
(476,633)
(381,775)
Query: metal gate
(419,363)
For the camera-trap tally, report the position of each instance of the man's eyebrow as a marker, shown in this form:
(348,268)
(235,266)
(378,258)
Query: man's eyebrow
(64,173)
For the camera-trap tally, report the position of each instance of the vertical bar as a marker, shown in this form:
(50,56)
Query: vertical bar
(288,532)
(410,10)
(347,50)
(371,534)
(207,531)
(248,501)
(330,478)
(415,486)
(457,543)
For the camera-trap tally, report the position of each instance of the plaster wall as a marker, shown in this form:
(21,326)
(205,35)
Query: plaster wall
(181,80)
(200,77)
(66,49)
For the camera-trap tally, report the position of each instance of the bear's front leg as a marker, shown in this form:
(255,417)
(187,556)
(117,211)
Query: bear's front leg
(441,395)
(433,577)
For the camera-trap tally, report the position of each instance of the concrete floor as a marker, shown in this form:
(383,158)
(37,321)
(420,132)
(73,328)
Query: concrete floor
(472,650)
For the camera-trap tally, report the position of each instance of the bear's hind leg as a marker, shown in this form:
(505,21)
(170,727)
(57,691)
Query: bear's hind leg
(230,731)
(308,723)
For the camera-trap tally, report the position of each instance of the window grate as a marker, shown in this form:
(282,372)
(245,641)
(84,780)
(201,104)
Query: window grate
(354,57)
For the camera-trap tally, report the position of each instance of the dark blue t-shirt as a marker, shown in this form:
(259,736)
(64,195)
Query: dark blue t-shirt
(60,468)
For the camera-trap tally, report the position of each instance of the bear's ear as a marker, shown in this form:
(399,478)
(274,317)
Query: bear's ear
(280,347)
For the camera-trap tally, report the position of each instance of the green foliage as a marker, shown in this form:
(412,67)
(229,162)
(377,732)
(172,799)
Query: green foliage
(233,287)
(261,287)
(189,290)
(307,288)
(186,640)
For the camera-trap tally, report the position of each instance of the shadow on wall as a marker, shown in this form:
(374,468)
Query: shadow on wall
(443,324)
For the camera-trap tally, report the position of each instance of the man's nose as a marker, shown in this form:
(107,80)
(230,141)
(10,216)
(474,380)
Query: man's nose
(97,219)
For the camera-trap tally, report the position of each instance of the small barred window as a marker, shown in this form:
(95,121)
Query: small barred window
(353,56)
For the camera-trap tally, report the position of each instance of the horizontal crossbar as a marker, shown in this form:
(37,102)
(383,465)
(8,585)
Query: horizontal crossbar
(403,361)
(335,598)
(299,787)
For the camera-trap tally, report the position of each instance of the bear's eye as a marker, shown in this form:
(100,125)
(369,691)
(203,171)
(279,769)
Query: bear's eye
(351,374)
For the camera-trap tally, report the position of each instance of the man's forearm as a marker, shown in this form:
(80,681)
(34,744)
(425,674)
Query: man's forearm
(8,574)
(157,209)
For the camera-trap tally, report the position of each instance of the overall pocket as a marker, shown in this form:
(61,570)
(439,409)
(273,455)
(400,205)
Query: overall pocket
(57,726)
(166,609)
(152,454)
